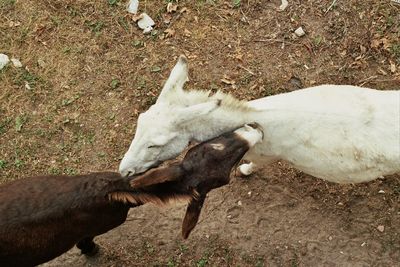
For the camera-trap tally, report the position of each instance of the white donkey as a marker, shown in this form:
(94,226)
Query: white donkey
(339,133)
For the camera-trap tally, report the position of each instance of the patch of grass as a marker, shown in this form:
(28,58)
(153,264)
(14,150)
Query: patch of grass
(7,3)
(318,40)
(202,262)
(19,122)
(236,3)
(19,163)
(171,263)
(123,23)
(54,171)
(67,102)
(96,26)
(113,2)
(115,83)
(3,164)
(4,125)
(25,76)
(395,50)
(70,171)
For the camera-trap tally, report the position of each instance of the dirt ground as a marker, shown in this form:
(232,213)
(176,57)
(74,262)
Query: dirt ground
(88,71)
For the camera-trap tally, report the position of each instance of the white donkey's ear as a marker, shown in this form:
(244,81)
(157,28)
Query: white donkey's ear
(176,80)
(193,112)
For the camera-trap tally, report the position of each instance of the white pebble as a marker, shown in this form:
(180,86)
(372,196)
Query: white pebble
(381,192)
(16,63)
(146,23)
(239,203)
(284,5)
(133,6)
(381,228)
(3,60)
(299,32)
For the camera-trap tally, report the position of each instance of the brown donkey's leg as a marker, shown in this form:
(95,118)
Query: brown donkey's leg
(87,246)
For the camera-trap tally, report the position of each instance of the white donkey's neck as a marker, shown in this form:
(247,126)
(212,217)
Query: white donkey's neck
(218,122)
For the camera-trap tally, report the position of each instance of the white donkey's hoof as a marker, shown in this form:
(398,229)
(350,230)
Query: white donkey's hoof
(252,133)
(246,169)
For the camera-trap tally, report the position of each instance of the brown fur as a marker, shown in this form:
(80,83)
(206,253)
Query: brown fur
(43,217)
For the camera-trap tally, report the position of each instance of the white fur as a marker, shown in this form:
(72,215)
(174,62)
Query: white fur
(340,133)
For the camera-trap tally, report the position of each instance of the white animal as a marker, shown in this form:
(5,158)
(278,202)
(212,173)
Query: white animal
(339,133)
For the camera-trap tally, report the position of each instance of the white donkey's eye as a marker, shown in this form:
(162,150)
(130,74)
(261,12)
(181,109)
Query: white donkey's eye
(153,146)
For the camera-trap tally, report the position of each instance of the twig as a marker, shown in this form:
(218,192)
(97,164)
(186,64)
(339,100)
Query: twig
(366,80)
(246,69)
(330,7)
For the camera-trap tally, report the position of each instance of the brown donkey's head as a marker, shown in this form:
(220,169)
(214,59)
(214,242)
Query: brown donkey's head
(204,167)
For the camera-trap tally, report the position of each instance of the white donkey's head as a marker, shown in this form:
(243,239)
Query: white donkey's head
(161,131)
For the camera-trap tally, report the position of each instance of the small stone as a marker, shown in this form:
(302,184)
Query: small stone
(299,32)
(41,63)
(146,23)
(249,193)
(330,238)
(381,192)
(381,228)
(363,244)
(16,63)
(133,6)
(27,86)
(284,5)
(239,203)
(3,60)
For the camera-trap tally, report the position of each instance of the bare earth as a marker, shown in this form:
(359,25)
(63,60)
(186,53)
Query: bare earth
(91,71)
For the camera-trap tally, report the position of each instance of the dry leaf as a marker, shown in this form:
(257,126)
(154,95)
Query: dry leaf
(167,18)
(227,80)
(187,33)
(137,17)
(169,33)
(363,49)
(172,8)
(392,67)
(381,71)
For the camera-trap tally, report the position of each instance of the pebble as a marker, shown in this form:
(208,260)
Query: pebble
(16,63)
(381,192)
(381,228)
(3,60)
(299,32)
(133,6)
(146,23)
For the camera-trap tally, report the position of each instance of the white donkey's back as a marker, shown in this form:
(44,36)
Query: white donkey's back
(340,133)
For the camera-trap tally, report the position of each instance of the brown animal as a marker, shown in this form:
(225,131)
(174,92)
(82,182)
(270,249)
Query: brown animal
(43,217)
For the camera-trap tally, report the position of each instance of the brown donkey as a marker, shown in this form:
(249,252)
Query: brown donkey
(43,217)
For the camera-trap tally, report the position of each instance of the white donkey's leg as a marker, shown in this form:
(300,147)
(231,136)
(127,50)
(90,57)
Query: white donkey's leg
(247,168)
(248,132)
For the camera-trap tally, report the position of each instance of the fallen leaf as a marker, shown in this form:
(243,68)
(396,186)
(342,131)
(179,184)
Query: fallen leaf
(392,67)
(227,80)
(187,33)
(167,18)
(169,32)
(172,7)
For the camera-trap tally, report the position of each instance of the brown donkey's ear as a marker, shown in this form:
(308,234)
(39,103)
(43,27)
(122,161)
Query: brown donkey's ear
(192,215)
(158,176)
